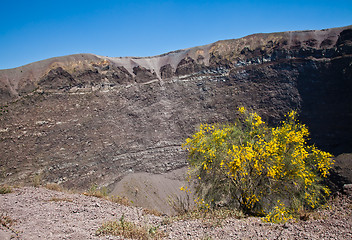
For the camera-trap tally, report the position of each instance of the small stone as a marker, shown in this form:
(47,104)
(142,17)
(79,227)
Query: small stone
(347,188)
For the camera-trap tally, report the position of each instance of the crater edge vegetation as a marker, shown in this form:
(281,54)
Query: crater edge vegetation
(258,169)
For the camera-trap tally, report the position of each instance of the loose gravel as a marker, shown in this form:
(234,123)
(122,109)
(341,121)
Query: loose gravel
(40,213)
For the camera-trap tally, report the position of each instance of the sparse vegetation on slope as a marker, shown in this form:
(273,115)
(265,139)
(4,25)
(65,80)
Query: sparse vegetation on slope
(129,230)
(34,213)
(103,193)
(5,189)
(6,221)
(211,217)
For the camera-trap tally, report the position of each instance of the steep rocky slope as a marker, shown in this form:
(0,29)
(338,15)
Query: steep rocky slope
(83,119)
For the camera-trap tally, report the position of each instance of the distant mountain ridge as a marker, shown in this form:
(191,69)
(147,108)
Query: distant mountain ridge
(83,119)
(17,80)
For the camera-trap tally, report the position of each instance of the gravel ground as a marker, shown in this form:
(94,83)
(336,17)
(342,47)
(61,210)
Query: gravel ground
(40,213)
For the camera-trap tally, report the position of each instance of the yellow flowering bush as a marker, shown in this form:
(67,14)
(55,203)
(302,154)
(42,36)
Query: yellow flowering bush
(251,166)
(279,214)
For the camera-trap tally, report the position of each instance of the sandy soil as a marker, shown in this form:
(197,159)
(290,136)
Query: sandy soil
(152,191)
(40,213)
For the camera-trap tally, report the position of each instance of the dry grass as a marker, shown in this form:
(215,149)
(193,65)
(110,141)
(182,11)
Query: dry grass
(6,221)
(5,189)
(54,187)
(212,218)
(186,210)
(181,205)
(129,230)
(37,180)
(206,237)
(152,212)
(54,199)
(119,200)
(349,206)
(94,191)
(103,193)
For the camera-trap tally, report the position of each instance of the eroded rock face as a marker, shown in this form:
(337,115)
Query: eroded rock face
(84,119)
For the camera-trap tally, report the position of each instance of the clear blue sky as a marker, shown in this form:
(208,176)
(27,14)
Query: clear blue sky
(35,30)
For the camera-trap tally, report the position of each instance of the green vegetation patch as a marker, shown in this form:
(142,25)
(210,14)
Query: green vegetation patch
(5,189)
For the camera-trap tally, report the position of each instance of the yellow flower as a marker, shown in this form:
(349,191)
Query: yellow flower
(241,110)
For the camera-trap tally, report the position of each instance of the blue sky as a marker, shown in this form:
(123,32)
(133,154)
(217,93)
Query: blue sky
(35,30)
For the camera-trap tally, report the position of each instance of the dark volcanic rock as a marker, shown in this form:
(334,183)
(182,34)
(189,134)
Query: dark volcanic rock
(86,119)
(142,74)
(166,71)
(57,79)
(188,66)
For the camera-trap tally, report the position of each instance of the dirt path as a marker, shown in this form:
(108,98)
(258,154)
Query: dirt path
(40,213)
